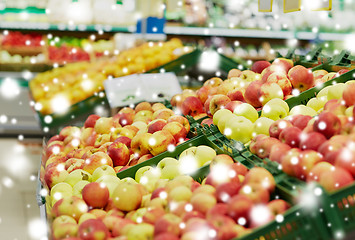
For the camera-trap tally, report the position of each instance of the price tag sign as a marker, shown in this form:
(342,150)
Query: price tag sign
(292,5)
(132,89)
(321,5)
(265,5)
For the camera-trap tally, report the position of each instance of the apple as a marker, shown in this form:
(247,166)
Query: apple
(55,174)
(282,80)
(139,144)
(153,215)
(176,100)
(214,82)
(315,103)
(96,160)
(168,223)
(54,160)
(191,106)
(163,114)
(290,160)
(202,202)
(332,147)
(274,112)
(277,126)
(55,138)
(335,106)
(291,136)
(64,227)
(201,155)
(307,160)
(226,191)
(335,178)
(157,106)
(327,124)
(246,110)
(348,96)
(143,106)
(124,201)
(252,93)
(277,151)
(95,195)
(284,63)
(144,116)
(239,128)
(221,159)
(263,148)
(336,91)
(111,182)
(180,193)
(59,191)
(119,153)
(104,125)
(262,126)
(317,170)
(300,121)
(144,158)
(311,140)
(129,131)
(278,206)
(156,125)
(160,141)
(217,102)
(239,207)
(255,192)
(221,114)
(269,91)
(86,216)
(177,130)
(234,73)
(260,214)
(103,171)
(69,131)
(141,231)
(203,93)
(259,66)
(54,148)
(346,158)
(78,175)
(262,177)
(71,206)
(91,121)
(93,229)
(180,119)
(301,78)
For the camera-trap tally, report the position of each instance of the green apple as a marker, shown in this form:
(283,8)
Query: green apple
(349,82)
(180,193)
(141,231)
(102,171)
(170,171)
(78,175)
(274,112)
(246,110)
(128,180)
(280,102)
(78,188)
(167,161)
(303,110)
(336,91)
(60,190)
(261,126)
(110,181)
(315,103)
(204,154)
(220,114)
(349,111)
(324,92)
(239,129)
(140,172)
(86,216)
(150,178)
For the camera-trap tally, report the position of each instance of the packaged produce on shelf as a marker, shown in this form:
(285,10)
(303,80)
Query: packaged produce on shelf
(77,81)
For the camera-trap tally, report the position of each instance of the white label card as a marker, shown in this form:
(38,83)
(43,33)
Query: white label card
(292,5)
(321,5)
(265,5)
(132,89)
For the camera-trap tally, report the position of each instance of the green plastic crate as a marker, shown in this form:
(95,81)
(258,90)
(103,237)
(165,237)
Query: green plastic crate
(339,211)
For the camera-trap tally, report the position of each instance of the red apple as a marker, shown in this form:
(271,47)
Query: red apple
(238,208)
(93,229)
(291,136)
(284,63)
(290,160)
(218,102)
(169,223)
(259,66)
(346,158)
(300,121)
(252,93)
(282,80)
(327,124)
(317,170)
(278,206)
(226,191)
(218,209)
(177,130)
(257,193)
(72,206)
(180,119)
(335,179)
(143,106)
(307,160)
(237,94)
(119,153)
(311,141)
(125,140)
(192,106)
(301,78)
(277,126)
(96,160)
(232,105)
(234,73)
(91,120)
(95,195)
(262,177)
(278,151)
(348,94)
(203,93)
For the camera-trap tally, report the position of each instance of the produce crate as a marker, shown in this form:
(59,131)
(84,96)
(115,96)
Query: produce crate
(340,211)
(296,222)
(340,62)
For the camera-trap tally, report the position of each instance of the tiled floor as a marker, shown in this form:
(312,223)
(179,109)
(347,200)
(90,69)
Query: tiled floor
(19,212)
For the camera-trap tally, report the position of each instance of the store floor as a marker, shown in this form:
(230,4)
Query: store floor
(19,212)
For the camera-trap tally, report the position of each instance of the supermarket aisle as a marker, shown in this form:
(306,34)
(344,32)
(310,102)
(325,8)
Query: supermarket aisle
(19,213)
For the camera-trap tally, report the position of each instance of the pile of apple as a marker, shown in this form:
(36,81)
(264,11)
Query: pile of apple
(77,81)
(229,203)
(128,138)
(265,81)
(319,148)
